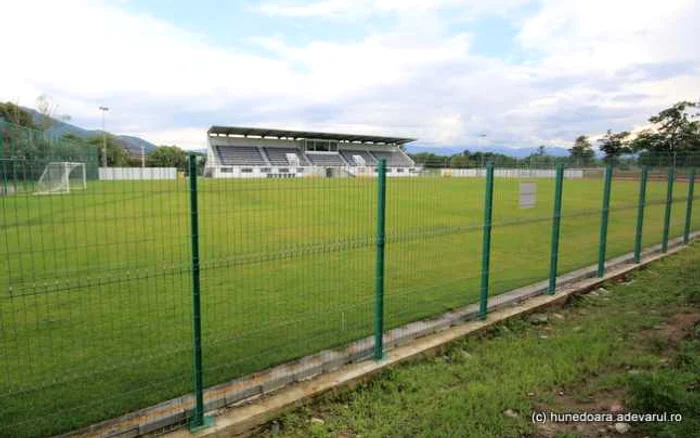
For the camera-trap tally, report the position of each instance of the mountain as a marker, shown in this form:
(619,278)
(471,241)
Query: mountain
(130,143)
(505,150)
(133,145)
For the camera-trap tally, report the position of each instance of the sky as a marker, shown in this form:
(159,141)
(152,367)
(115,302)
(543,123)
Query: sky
(449,72)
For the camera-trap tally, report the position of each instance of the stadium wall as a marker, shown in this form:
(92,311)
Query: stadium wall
(512,173)
(306,172)
(137,173)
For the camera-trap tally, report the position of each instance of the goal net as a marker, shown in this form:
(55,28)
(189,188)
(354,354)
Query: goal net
(61,177)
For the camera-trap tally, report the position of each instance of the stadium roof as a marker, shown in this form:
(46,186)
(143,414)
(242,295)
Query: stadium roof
(283,133)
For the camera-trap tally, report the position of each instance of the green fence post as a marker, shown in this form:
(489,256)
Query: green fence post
(689,206)
(640,215)
(198,420)
(379,292)
(556,221)
(486,243)
(604,220)
(5,154)
(669,202)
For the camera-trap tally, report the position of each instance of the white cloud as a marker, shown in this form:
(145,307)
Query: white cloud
(350,9)
(586,66)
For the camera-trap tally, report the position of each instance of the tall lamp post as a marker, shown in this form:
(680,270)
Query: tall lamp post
(104,109)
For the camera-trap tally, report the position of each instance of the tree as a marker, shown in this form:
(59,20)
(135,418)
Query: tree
(672,133)
(14,113)
(461,160)
(429,159)
(540,158)
(582,152)
(47,112)
(116,155)
(167,156)
(614,145)
(677,132)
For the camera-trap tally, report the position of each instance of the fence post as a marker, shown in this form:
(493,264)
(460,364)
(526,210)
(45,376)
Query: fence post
(689,206)
(640,215)
(486,243)
(669,202)
(604,220)
(379,288)
(198,420)
(556,221)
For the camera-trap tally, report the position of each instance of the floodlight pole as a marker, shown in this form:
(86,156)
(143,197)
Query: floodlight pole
(104,109)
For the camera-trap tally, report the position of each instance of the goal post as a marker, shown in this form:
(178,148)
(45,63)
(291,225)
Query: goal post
(61,177)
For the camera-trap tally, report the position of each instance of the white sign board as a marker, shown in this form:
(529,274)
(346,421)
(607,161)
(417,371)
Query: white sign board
(528,194)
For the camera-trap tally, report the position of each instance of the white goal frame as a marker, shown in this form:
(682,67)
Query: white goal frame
(56,178)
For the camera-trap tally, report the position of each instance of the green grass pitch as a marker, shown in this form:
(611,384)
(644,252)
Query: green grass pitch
(95,314)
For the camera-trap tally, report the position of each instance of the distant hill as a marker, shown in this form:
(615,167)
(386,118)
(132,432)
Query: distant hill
(131,144)
(505,150)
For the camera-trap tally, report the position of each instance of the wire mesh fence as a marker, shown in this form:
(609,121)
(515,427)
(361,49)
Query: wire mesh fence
(96,308)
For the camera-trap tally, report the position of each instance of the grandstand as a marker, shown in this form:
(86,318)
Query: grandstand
(237,152)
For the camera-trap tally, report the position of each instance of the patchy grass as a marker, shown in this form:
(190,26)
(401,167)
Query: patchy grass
(631,346)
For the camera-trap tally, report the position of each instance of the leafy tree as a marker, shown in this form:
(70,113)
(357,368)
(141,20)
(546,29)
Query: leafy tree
(462,160)
(540,158)
(673,133)
(167,156)
(116,155)
(677,132)
(14,113)
(614,145)
(582,152)
(73,138)
(429,159)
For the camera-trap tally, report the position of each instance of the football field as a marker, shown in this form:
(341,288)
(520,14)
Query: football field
(95,309)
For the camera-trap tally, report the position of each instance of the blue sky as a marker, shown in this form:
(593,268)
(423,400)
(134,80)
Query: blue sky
(447,71)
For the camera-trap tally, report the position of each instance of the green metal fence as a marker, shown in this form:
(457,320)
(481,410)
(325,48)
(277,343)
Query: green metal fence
(128,293)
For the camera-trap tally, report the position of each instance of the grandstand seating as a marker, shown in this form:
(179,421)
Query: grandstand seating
(278,156)
(393,158)
(349,156)
(326,159)
(241,155)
